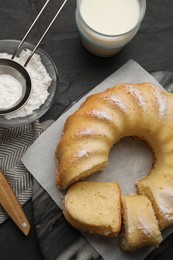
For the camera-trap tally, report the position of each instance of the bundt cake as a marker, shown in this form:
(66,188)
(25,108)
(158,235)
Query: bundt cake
(94,207)
(141,110)
(140,226)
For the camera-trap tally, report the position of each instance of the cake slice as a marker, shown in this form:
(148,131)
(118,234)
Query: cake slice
(159,190)
(94,207)
(140,226)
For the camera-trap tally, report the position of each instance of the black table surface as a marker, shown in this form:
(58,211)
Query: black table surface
(79,71)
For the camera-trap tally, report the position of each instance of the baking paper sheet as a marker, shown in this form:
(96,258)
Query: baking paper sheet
(129,161)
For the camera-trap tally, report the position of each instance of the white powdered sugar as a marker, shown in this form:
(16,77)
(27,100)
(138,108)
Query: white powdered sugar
(145,227)
(116,101)
(40,81)
(133,91)
(161,102)
(165,205)
(81,153)
(85,132)
(10,91)
(101,114)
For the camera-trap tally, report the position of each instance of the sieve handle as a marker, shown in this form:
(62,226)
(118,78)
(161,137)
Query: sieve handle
(32,25)
(44,34)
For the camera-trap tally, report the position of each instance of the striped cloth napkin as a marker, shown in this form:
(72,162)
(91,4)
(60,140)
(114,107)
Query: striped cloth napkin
(14,141)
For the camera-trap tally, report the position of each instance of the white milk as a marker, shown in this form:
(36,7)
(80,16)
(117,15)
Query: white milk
(106,26)
(110,17)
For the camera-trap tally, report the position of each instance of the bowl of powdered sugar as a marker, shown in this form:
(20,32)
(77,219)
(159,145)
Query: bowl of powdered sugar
(43,74)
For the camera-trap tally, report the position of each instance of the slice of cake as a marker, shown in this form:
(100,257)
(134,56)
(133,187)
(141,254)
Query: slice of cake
(159,190)
(140,226)
(94,207)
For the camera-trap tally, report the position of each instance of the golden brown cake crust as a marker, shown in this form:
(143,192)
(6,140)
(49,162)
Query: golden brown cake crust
(104,118)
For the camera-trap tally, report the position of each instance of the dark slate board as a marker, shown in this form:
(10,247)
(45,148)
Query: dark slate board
(60,241)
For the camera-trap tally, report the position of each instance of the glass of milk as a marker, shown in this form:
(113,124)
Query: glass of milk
(106,26)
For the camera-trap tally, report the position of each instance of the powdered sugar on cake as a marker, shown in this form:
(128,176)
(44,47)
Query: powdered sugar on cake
(101,114)
(81,153)
(161,101)
(115,100)
(164,205)
(85,132)
(145,227)
(133,91)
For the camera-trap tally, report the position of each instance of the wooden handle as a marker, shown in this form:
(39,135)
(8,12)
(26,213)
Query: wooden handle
(11,205)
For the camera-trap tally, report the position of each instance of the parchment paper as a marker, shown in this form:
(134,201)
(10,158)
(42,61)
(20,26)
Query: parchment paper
(129,161)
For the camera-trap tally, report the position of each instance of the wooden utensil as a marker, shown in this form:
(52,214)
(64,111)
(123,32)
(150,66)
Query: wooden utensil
(11,205)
